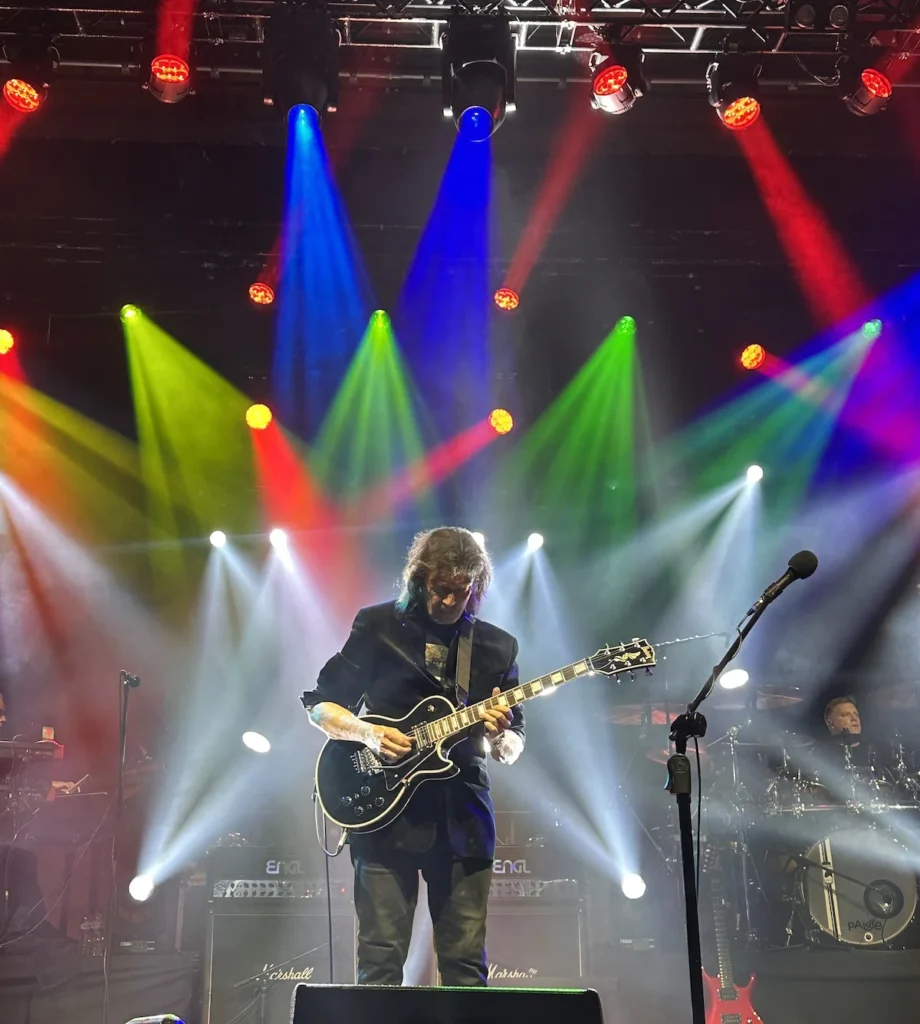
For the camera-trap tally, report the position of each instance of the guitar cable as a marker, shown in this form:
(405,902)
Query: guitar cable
(699,811)
(323,840)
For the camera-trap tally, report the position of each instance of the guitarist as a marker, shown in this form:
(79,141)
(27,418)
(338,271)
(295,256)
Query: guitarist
(396,655)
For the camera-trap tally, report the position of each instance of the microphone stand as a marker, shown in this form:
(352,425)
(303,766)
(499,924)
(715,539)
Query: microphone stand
(691,725)
(127,682)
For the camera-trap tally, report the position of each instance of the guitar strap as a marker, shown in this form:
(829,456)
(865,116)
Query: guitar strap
(464,657)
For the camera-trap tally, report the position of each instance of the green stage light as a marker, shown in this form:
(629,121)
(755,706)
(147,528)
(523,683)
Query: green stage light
(871,329)
(129,312)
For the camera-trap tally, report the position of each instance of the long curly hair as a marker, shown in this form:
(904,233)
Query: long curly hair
(451,553)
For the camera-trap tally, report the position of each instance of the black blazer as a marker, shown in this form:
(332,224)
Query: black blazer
(382,667)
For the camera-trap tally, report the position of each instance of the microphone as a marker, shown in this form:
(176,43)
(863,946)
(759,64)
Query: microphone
(801,566)
(130,680)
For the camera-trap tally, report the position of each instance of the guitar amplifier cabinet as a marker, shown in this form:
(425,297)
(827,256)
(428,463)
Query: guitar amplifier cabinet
(251,947)
(532,946)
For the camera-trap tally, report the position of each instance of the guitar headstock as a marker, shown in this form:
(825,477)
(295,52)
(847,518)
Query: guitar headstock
(610,661)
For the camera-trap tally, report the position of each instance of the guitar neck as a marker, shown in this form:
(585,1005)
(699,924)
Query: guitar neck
(723,942)
(450,725)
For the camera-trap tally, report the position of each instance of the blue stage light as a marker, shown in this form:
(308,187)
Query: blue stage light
(478,73)
(476,124)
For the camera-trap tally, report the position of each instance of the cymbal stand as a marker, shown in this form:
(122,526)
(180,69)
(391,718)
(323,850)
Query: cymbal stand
(899,769)
(853,803)
(739,790)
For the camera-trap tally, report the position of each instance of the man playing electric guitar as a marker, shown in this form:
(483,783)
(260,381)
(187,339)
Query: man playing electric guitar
(398,654)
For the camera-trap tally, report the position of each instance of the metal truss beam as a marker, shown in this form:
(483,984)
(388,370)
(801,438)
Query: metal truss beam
(228,33)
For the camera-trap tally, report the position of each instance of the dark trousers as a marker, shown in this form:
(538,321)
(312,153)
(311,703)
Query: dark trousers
(386,891)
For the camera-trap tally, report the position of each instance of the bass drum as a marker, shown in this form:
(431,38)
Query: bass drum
(858,886)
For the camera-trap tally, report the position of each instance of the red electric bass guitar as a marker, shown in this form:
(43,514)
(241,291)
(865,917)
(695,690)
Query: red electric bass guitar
(728,1003)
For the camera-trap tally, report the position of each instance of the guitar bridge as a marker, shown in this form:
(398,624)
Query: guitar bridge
(366,762)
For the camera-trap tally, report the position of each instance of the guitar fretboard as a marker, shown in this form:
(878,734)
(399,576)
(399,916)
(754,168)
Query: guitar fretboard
(429,733)
(727,992)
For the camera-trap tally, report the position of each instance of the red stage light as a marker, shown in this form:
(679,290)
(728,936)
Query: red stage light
(7,341)
(610,80)
(169,70)
(500,421)
(258,416)
(262,294)
(507,298)
(740,113)
(617,80)
(876,84)
(170,78)
(753,357)
(21,96)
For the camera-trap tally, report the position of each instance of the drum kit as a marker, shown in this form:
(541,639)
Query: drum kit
(821,838)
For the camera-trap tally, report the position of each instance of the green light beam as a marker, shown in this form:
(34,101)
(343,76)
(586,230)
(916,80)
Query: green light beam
(195,451)
(580,454)
(372,427)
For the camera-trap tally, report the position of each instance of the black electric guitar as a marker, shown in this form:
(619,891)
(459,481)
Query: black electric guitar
(359,791)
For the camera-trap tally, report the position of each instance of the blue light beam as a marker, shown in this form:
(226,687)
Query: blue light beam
(443,312)
(325,295)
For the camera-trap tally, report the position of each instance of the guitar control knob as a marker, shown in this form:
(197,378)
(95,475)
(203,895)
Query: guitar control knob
(346,801)
(379,801)
(359,810)
(365,791)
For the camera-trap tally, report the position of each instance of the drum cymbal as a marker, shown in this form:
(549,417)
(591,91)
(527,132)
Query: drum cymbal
(902,696)
(644,714)
(775,698)
(776,741)
(660,755)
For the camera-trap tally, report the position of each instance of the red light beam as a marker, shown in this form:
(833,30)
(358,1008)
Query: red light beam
(433,467)
(290,496)
(174,27)
(828,279)
(10,123)
(573,146)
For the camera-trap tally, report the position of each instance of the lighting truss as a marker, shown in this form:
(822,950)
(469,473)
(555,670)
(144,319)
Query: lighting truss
(229,33)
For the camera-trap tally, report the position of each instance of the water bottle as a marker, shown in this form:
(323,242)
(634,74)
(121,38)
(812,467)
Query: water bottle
(98,933)
(86,941)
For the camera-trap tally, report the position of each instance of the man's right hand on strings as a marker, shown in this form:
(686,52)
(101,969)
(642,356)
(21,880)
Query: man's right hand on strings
(389,743)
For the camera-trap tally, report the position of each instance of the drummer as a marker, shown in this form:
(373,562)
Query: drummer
(841,716)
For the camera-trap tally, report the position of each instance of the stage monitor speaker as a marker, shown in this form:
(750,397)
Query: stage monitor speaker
(373,1004)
